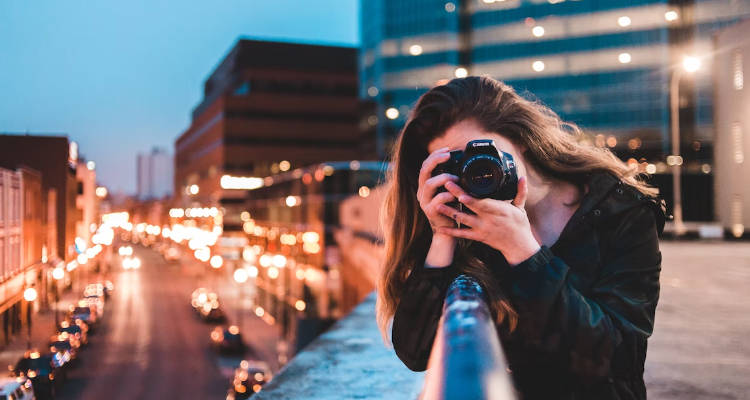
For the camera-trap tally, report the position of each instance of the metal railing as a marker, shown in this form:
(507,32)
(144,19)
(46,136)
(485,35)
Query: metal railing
(467,361)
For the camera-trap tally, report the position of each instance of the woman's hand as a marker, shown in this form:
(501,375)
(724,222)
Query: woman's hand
(440,253)
(428,186)
(499,224)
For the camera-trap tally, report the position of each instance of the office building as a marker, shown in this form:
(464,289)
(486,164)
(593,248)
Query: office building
(269,107)
(732,143)
(22,247)
(155,174)
(55,158)
(604,65)
(87,202)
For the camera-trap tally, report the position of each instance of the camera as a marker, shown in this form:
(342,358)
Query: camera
(482,170)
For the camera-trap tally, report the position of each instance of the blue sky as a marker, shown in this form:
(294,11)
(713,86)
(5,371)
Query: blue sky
(120,77)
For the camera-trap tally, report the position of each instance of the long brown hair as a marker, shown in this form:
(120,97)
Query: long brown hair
(555,149)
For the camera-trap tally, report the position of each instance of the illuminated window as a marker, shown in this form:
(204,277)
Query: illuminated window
(736,130)
(738,77)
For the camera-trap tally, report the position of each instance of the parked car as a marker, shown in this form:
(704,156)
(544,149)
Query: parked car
(75,330)
(248,379)
(227,340)
(65,342)
(206,304)
(84,312)
(96,304)
(172,254)
(213,314)
(199,297)
(43,372)
(131,263)
(15,388)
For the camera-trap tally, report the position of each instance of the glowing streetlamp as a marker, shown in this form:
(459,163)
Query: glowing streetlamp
(29,295)
(240,275)
(690,64)
(57,274)
(217,261)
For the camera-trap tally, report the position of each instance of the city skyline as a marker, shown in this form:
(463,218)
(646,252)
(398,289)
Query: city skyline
(123,87)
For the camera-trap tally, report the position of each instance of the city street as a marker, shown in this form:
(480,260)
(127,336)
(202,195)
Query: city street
(151,344)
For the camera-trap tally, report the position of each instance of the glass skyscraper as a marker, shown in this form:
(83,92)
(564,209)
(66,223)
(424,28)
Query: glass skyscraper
(602,64)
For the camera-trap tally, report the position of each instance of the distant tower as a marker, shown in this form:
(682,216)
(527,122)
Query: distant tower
(154,174)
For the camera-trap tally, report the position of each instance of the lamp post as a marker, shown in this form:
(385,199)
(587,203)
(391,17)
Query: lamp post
(689,64)
(240,276)
(57,274)
(29,295)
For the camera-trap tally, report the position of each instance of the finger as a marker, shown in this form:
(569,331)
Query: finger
(442,198)
(431,185)
(459,233)
(474,204)
(523,193)
(458,216)
(435,158)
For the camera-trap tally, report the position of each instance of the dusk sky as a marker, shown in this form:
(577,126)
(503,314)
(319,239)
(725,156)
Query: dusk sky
(120,77)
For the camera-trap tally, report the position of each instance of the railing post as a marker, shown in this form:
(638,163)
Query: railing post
(467,361)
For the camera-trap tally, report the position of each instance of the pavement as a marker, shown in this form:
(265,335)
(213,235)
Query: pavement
(700,348)
(42,329)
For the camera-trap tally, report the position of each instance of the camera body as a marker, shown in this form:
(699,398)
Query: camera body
(483,170)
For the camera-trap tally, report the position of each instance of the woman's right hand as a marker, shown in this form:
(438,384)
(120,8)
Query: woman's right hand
(441,250)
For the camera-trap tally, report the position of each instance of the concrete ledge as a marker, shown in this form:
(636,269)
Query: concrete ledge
(349,361)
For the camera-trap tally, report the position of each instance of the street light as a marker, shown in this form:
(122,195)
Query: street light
(57,274)
(240,276)
(690,64)
(29,295)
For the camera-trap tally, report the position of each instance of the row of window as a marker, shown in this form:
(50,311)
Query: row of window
(295,87)
(10,255)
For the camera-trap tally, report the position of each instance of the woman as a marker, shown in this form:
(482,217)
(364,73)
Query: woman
(570,266)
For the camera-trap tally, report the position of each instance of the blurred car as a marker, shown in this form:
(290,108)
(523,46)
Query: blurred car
(131,263)
(43,372)
(75,330)
(96,304)
(199,297)
(172,253)
(227,340)
(125,251)
(248,379)
(15,388)
(84,312)
(94,290)
(63,342)
(206,304)
(215,314)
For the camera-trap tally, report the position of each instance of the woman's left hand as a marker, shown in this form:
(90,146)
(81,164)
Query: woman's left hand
(500,224)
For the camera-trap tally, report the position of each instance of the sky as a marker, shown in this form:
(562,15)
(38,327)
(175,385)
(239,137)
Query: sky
(120,77)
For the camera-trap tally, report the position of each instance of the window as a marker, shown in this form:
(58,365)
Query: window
(736,130)
(737,77)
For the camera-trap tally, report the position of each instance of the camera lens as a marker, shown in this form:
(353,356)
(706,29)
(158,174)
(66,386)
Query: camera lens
(482,175)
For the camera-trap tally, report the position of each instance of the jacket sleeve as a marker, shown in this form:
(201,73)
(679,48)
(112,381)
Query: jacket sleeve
(617,312)
(418,313)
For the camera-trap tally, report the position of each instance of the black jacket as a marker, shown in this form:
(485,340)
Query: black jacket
(586,304)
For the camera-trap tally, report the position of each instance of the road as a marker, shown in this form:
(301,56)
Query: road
(151,344)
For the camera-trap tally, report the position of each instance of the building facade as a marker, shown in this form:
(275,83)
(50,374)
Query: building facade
(55,158)
(604,65)
(87,203)
(155,174)
(269,107)
(22,247)
(732,143)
